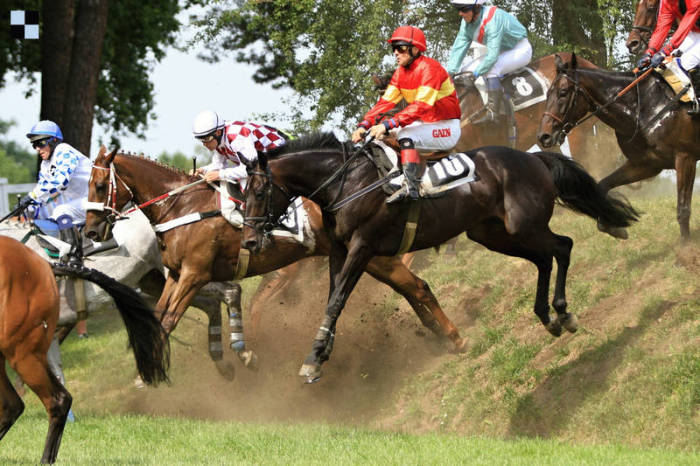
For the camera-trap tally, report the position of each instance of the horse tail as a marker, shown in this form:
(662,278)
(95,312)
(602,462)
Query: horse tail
(147,337)
(579,192)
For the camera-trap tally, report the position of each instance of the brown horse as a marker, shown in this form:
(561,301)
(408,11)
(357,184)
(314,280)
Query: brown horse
(29,306)
(643,25)
(208,250)
(507,210)
(652,135)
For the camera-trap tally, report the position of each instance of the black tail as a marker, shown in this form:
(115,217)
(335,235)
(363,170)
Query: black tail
(146,335)
(579,192)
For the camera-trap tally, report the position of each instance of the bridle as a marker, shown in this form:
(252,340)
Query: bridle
(566,125)
(110,204)
(646,29)
(264,225)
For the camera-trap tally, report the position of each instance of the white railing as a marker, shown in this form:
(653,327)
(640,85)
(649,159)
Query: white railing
(7,189)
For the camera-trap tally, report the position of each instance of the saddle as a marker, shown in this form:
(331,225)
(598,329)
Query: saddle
(679,81)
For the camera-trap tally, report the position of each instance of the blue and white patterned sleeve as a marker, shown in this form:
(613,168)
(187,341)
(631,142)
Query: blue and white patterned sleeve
(63,165)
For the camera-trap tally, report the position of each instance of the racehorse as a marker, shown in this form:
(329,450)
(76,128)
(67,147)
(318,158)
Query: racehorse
(507,210)
(643,26)
(653,131)
(207,250)
(135,263)
(29,308)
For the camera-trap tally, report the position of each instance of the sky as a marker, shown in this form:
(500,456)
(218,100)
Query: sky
(183,86)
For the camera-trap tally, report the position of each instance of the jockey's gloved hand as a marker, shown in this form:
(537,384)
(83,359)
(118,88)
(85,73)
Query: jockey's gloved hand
(644,62)
(657,59)
(25,202)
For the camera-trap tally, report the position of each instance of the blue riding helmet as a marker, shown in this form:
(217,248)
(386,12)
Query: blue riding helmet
(44,129)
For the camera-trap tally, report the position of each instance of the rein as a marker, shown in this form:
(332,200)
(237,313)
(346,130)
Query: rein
(594,108)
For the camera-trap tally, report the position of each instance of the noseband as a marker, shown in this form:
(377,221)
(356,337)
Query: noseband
(265,224)
(110,204)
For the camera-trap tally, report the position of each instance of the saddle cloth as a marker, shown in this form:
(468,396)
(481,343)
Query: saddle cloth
(677,79)
(525,87)
(441,175)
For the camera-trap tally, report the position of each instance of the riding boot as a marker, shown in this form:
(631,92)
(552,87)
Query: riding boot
(695,81)
(72,236)
(492,109)
(411,170)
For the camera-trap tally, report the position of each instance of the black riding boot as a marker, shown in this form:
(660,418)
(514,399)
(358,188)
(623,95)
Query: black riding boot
(72,236)
(411,187)
(495,96)
(695,80)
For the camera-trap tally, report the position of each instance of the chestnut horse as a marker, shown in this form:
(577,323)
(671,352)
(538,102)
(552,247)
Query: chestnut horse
(653,132)
(507,210)
(643,26)
(29,307)
(208,250)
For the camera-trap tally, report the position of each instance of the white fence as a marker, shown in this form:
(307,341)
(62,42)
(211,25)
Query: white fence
(6,190)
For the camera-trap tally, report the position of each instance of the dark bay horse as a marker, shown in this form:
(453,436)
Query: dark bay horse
(29,307)
(526,119)
(642,26)
(208,250)
(651,135)
(507,210)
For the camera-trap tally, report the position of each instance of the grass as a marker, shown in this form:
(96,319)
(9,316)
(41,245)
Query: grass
(146,440)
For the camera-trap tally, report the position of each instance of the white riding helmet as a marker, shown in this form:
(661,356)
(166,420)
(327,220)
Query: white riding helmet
(206,122)
(471,3)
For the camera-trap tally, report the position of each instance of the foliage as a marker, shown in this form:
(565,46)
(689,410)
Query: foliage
(183,161)
(17,164)
(326,50)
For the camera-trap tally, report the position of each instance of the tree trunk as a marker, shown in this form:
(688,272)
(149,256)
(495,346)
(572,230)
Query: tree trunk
(56,44)
(85,65)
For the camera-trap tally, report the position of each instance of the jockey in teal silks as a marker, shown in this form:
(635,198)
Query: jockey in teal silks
(507,49)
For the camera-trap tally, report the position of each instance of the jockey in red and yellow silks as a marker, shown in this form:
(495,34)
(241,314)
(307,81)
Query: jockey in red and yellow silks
(431,119)
(686,39)
(427,88)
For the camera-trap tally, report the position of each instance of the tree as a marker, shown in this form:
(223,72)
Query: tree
(325,50)
(94,57)
(17,164)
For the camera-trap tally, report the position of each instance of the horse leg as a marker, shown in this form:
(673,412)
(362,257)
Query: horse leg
(345,270)
(34,370)
(685,173)
(165,296)
(535,248)
(562,254)
(392,271)
(626,174)
(232,298)
(11,404)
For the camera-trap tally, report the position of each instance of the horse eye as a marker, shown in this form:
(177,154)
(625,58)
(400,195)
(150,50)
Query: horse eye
(563,92)
(100,186)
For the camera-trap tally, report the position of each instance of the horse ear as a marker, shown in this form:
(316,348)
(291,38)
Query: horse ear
(262,160)
(102,152)
(573,61)
(111,155)
(558,63)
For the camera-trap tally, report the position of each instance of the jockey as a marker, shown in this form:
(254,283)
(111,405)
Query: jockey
(431,119)
(62,184)
(234,143)
(507,48)
(686,39)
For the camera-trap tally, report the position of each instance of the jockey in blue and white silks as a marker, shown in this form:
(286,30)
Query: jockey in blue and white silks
(507,48)
(62,185)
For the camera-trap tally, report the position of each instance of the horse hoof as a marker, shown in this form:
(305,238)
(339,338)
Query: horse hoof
(226,369)
(460,346)
(554,327)
(249,360)
(139,383)
(569,322)
(310,372)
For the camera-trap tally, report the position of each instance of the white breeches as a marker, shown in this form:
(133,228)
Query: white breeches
(73,208)
(691,51)
(440,135)
(508,61)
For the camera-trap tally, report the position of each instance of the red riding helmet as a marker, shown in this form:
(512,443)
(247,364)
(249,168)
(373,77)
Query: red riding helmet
(410,35)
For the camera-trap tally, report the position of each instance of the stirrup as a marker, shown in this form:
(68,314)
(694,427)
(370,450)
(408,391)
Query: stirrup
(399,195)
(488,117)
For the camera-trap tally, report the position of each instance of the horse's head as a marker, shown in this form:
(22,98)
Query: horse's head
(563,108)
(643,26)
(107,195)
(265,202)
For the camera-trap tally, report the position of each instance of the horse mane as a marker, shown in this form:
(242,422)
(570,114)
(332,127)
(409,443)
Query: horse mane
(156,163)
(314,140)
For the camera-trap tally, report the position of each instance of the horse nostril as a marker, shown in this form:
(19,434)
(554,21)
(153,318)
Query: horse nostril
(249,244)
(91,234)
(545,139)
(632,46)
